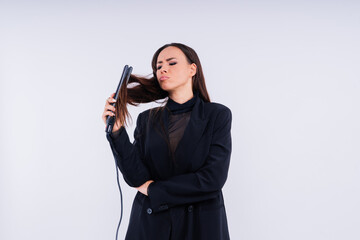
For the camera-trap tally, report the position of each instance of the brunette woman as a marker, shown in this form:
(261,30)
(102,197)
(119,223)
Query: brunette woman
(180,156)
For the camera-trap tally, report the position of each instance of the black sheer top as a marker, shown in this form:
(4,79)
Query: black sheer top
(178,119)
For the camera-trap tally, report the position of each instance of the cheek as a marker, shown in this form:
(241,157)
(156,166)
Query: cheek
(184,75)
(158,75)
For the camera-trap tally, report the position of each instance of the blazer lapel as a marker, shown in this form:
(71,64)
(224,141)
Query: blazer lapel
(193,131)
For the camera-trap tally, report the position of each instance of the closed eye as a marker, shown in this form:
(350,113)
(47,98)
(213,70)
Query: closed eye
(173,63)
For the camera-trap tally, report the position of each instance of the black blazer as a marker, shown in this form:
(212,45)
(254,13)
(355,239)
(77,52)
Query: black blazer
(185,200)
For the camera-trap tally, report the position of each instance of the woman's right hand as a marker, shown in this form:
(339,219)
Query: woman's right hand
(110,111)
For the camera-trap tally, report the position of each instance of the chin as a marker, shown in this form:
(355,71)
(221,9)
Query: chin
(166,88)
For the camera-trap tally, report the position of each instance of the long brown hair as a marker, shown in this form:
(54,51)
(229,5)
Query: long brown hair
(144,90)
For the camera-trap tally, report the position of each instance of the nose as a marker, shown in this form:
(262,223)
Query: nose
(163,70)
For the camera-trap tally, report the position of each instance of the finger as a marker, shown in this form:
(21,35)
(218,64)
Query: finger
(110,100)
(109,113)
(106,114)
(110,107)
(112,96)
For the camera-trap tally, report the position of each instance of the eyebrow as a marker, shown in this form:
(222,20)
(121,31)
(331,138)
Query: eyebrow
(166,60)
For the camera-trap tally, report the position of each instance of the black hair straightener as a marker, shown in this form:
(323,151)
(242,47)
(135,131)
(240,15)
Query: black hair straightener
(124,78)
(109,127)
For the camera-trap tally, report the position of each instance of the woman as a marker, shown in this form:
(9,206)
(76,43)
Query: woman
(180,157)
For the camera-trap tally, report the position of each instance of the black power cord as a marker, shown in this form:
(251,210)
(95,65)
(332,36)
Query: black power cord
(118,182)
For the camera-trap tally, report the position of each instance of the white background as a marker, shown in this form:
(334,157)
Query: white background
(288,70)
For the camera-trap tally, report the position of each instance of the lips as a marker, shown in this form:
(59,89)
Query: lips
(162,78)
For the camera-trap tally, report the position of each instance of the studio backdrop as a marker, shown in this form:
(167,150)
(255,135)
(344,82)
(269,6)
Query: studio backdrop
(288,70)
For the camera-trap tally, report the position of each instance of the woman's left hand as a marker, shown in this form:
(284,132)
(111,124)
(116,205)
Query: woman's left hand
(144,188)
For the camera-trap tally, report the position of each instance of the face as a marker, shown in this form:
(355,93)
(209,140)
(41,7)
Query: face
(173,70)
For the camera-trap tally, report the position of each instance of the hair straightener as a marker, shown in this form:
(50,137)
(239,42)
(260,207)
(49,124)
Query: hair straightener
(124,78)
(109,127)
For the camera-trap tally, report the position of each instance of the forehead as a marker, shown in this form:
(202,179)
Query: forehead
(171,52)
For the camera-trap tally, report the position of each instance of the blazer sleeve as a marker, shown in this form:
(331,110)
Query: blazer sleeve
(128,156)
(206,182)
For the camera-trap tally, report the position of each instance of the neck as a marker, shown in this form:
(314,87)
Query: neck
(181,96)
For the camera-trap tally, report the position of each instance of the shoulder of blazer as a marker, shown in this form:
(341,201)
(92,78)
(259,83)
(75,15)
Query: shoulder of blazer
(213,109)
(214,106)
(143,116)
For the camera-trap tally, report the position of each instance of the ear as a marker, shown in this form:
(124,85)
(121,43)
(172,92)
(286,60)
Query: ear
(193,69)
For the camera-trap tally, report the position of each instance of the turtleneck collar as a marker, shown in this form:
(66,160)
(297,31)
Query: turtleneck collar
(176,108)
